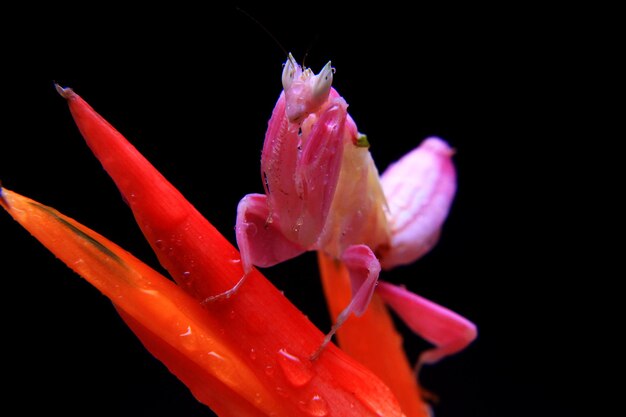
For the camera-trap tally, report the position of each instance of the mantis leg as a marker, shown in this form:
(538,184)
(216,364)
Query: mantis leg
(317,171)
(259,236)
(364,269)
(448,331)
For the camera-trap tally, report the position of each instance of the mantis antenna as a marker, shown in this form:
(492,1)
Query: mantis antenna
(265,29)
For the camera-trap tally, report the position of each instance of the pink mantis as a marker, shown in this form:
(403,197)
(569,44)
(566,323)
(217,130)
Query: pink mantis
(323,193)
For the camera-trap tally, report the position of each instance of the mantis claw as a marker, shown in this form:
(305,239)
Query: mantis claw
(327,339)
(226,294)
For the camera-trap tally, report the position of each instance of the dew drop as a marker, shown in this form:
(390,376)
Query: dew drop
(297,372)
(159,244)
(215,355)
(269,370)
(188,339)
(253,354)
(316,406)
(186,274)
(282,392)
(257,398)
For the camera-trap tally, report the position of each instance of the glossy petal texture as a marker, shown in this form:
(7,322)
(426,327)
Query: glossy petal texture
(170,322)
(419,189)
(259,322)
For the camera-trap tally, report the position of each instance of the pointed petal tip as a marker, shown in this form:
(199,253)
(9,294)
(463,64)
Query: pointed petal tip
(3,200)
(64,92)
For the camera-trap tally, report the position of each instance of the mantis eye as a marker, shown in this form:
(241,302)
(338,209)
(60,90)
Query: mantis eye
(323,82)
(289,72)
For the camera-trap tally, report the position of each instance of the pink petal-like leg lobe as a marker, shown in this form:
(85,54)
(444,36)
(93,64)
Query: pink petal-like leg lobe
(300,165)
(278,168)
(259,237)
(317,172)
(364,269)
(419,189)
(448,331)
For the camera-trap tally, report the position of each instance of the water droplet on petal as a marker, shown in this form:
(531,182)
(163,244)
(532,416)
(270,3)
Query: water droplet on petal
(297,372)
(253,354)
(215,355)
(159,244)
(316,406)
(188,339)
(257,398)
(282,392)
(186,274)
(269,370)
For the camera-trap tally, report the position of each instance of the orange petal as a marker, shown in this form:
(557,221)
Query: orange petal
(178,329)
(192,343)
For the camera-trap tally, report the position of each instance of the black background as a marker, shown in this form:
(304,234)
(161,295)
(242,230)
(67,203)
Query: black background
(193,90)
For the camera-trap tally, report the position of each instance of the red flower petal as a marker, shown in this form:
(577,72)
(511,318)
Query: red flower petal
(258,321)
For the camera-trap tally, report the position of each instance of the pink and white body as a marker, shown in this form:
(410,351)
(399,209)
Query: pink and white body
(323,193)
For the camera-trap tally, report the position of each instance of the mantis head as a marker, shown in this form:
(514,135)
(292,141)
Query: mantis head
(305,92)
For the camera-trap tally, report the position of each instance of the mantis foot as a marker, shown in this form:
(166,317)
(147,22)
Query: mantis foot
(226,294)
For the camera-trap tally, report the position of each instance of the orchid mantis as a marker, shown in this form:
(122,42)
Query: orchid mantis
(323,193)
